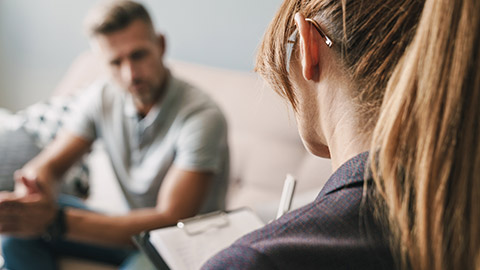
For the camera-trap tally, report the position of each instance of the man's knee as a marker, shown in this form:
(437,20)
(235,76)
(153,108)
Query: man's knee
(12,246)
(15,250)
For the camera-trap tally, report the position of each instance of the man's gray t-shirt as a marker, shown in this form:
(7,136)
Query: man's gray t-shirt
(186,129)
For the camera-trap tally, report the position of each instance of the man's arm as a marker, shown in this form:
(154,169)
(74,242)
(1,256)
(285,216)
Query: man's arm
(48,166)
(181,195)
(28,213)
(182,192)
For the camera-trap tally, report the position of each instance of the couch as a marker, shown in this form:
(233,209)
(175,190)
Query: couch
(263,139)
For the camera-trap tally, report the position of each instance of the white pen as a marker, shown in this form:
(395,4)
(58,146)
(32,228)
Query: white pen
(287,195)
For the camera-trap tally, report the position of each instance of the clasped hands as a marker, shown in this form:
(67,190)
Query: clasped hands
(27,213)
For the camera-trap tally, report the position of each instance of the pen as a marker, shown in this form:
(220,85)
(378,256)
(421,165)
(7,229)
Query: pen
(287,195)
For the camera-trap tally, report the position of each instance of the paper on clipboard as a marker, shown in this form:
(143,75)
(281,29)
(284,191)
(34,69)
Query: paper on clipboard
(191,244)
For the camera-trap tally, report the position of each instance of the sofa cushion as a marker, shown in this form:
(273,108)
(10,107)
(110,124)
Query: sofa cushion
(16,148)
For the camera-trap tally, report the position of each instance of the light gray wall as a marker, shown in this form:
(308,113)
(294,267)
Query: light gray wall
(40,38)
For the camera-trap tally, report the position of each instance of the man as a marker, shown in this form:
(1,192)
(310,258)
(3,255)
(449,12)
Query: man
(166,141)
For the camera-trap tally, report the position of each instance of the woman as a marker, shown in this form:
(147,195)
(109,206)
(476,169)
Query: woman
(331,60)
(428,135)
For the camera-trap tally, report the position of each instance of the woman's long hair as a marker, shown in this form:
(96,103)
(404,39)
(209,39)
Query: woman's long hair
(427,141)
(369,38)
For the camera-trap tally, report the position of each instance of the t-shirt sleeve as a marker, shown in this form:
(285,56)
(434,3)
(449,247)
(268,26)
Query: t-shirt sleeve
(202,144)
(86,106)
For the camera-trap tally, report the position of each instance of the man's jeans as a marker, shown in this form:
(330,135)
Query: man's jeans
(36,253)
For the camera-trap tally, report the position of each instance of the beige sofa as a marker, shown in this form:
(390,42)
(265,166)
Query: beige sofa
(263,138)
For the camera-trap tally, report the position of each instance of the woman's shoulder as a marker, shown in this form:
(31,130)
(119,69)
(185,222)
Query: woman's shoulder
(312,236)
(328,232)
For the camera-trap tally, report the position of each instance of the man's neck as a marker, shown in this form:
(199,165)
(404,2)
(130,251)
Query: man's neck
(143,108)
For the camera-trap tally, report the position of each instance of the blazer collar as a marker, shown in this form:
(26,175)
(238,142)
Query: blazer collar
(350,173)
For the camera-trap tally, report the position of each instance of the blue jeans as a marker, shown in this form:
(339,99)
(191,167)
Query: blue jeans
(20,253)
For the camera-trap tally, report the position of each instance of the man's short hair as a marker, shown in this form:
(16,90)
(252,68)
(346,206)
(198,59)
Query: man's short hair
(112,16)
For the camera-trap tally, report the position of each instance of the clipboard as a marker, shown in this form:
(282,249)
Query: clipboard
(142,241)
(193,241)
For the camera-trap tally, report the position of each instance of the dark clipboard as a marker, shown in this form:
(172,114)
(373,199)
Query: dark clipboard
(142,241)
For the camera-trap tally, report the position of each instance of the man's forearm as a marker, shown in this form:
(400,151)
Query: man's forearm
(57,158)
(85,226)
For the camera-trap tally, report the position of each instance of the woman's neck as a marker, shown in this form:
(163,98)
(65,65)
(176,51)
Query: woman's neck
(344,137)
(345,143)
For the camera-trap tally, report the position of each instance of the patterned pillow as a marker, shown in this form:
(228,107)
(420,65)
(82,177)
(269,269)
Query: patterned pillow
(43,121)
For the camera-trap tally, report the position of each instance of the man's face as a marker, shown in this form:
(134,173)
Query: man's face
(134,59)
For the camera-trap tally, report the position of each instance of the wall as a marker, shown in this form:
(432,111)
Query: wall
(39,39)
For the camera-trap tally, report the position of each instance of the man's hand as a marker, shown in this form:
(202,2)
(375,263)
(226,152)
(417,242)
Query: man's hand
(29,211)
(27,214)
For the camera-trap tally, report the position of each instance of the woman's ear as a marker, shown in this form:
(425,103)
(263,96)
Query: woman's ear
(309,48)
